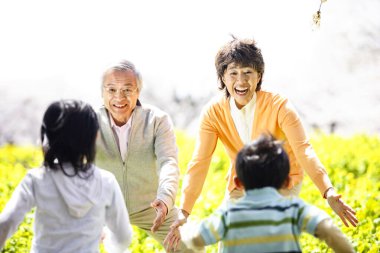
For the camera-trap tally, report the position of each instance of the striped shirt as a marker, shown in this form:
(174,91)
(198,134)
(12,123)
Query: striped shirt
(261,221)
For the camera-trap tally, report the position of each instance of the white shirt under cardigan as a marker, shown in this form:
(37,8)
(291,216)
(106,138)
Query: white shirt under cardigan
(243,118)
(70,211)
(122,134)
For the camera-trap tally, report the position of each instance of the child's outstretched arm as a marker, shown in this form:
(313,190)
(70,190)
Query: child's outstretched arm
(21,202)
(209,231)
(191,237)
(118,236)
(333,236)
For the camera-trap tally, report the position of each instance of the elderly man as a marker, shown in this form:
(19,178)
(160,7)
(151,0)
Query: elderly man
(137,144)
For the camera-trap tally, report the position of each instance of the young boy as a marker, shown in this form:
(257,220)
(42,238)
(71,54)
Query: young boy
(263,220)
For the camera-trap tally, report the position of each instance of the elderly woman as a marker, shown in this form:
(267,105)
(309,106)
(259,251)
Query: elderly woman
(243,113)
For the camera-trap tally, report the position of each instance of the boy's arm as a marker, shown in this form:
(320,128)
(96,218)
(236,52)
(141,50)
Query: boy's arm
(209,231)
(333,236)
(192,238)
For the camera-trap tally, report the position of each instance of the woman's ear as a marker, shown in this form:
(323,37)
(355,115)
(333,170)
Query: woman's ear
(223,79)
(286,183)
(259,77)
(238,183)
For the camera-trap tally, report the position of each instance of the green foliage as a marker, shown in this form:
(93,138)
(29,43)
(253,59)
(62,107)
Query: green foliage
(352,164)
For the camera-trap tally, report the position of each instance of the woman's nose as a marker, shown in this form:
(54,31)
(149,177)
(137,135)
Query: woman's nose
(241,77)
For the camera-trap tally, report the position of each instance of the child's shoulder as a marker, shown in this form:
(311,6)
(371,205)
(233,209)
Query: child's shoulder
(293,200)
(105,175)
(305,207)
(37,173)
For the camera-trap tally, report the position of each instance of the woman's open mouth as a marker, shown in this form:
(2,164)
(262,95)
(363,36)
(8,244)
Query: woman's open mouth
(241,91)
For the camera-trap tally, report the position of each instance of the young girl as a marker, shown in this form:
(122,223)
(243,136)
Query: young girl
(74,199)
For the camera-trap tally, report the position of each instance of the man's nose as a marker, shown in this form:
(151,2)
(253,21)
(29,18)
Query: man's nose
(120,93)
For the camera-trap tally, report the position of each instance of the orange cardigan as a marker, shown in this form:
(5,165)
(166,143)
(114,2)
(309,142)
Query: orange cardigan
(273,114)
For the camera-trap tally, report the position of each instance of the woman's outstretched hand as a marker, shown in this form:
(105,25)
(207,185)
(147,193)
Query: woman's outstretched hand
(173,238)
(344,211)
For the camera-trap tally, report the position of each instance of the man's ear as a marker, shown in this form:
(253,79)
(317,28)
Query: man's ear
(238,183)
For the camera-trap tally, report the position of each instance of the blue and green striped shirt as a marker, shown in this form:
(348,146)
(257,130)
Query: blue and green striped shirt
(261,221)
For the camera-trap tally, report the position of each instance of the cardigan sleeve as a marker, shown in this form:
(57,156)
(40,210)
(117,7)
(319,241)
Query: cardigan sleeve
(198,167)
(291,125)
(21,202)
(167,160)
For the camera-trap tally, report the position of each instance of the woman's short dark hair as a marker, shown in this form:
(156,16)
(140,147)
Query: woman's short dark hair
(262,163)
(68,134)
(242,52)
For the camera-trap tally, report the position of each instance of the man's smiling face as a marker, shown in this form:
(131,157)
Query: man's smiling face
(118,102)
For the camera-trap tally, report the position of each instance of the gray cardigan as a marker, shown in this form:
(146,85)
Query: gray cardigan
(150,169)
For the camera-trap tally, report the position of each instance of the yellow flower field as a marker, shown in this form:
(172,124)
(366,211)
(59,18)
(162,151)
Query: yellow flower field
(353,164)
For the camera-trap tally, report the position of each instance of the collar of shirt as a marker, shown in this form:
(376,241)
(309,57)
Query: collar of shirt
(122,133)
(243,118)
(263,194)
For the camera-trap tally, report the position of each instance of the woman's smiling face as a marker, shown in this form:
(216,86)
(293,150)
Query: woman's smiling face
(241,83)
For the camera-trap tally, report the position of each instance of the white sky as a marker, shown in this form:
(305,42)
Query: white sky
(58,49)
(65,45)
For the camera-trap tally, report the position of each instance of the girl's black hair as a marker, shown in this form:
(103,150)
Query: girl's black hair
(68,134)
(262,163)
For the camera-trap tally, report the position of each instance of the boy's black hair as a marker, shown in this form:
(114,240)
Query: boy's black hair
(262,163)
(68,134)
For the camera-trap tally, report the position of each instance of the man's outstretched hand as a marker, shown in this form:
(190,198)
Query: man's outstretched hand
(161,211)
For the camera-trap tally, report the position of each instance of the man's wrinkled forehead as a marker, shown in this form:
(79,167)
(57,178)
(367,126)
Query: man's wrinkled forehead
(114,74)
